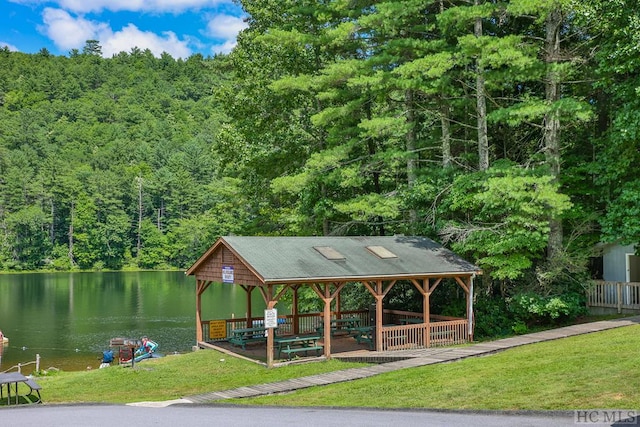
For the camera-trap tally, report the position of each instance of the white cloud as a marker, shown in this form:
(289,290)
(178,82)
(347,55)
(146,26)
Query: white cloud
(68,32)
(130,36)
(11,47)
(225,47)
(74,22)
(151,6)
(225,26)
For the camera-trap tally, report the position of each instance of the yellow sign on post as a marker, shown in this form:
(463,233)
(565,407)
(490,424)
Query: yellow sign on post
(217,329)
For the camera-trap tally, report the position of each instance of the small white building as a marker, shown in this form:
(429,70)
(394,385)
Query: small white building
(620,263)
(617,280)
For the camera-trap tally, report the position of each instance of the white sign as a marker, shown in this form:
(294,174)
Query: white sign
(227,274)
(271,318)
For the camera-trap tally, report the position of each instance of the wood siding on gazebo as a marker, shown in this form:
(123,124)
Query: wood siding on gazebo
(211,268)
(275,265)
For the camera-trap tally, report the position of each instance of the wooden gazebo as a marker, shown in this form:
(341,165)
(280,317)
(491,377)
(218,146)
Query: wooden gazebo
(274,265)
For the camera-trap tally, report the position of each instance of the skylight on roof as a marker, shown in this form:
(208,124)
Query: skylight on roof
(381,252)
(329,253)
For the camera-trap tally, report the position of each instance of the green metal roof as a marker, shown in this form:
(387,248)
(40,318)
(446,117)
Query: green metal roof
(289,259)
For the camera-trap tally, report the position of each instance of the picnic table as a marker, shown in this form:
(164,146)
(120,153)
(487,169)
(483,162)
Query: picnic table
(243,336)
(291,345)
(346,324)
(15,378)
(363,334)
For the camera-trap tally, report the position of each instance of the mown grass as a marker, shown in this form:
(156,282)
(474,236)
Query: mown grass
(169,378)
(598,370)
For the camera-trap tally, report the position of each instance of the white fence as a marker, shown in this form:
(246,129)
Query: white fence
(618,295)
(19,366)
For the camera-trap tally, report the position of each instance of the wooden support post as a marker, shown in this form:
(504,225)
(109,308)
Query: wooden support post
(201,286)
(249,290)
(326,328)
(295,320)
(271,300)
(271,303)
(198,312)
(470,314)
(426,313)
(426,290)
(619,296)
(379,308)
(379,293)
(327,297)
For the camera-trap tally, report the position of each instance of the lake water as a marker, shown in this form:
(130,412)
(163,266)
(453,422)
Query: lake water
(69,318)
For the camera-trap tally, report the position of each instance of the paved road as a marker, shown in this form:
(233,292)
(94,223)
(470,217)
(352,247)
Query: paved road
(206,415)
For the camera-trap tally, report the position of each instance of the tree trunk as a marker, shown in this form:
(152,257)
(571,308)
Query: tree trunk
(481,104)
(412,163)
(139,243)
(52,230)
(552,120)
(70,234)
(445,125)
(375,173)
(326,230)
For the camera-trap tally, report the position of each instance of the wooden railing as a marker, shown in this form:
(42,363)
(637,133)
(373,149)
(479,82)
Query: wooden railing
(398,317)
(404,337)
(443,330)
(19,366)
(449,332)
(618,295)
(307,323)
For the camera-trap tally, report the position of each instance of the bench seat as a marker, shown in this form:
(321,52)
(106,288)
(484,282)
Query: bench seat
(243,341)
(290,350)
(243,336)
(35,387)
(366,339)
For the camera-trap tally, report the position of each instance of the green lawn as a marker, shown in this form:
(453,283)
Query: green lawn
(169,377)
(598,370)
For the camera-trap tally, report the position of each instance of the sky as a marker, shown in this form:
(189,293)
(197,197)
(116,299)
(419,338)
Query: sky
(179,27)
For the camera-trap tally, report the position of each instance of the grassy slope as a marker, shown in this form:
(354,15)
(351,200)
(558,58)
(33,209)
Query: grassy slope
(599,370)
(169,377)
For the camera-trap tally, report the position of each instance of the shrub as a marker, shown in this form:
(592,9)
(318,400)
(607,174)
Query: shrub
(520,328)
(531,309)
(492,318)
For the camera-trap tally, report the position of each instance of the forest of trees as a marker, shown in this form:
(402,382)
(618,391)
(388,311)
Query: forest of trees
(507,130)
